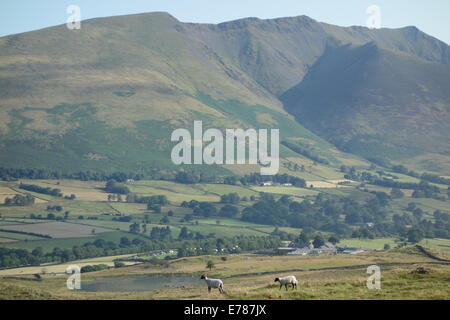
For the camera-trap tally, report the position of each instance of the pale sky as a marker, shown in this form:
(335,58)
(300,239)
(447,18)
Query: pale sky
(430,16)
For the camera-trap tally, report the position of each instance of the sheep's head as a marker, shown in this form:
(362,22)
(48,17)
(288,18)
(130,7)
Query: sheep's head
(203,276)
(277,279)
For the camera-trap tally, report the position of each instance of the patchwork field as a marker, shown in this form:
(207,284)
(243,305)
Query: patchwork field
(61,268)
(91,211)
(174,196)
(6,192)
(377,244)
(68,243)
(292,191)
(57,229)
(13,237)
(84,190)
(221,189)
(328,183)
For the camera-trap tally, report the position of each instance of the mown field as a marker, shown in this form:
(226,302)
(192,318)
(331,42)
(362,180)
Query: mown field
(251,277)
(68,243)
(62,267)
(57,230)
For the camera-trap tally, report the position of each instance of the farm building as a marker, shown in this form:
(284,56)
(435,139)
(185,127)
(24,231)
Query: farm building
(347,250)
(307,250)
(300,252)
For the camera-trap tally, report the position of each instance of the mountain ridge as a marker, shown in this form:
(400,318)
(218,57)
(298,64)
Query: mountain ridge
(134,68)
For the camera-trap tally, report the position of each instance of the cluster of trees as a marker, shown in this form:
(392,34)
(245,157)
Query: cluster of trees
(55,208)
(163,233)
(156,199)
(435,178)
(43,190)
(203,209)
(93,268)
(20,200)
(155,207)
(332,214)
(421,190)
(186,234)
(409,226)
(305,152)
(98,248)
(112,186)
(52,216)
(153,202)
(404,170)
(424,176)
(229,211)
(123,218)
(439,228)
(294,166)
(114,197)
(308,237)
(429,193)
(230,198)
(17,257)
(396,193)
(136,228)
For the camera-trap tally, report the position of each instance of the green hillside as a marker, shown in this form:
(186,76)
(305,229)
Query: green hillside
(109,95)
(380,104)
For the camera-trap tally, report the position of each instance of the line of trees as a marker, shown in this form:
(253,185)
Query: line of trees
(46,236)
(116,180)
(44,190)
(21,257)
(12,174)
(20,200)
(305,152)
(424,176)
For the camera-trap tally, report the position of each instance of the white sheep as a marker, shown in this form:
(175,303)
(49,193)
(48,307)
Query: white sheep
(213,283)
(285,281)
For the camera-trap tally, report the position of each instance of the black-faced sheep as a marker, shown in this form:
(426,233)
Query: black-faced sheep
(213,283)
(285,281)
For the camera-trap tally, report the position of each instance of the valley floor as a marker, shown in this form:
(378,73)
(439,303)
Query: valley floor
(252,277)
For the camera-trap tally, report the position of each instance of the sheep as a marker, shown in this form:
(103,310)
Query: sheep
(287,280)
(213,283)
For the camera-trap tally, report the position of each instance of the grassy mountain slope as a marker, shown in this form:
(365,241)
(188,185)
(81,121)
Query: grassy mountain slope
(108,96)
(378,103)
